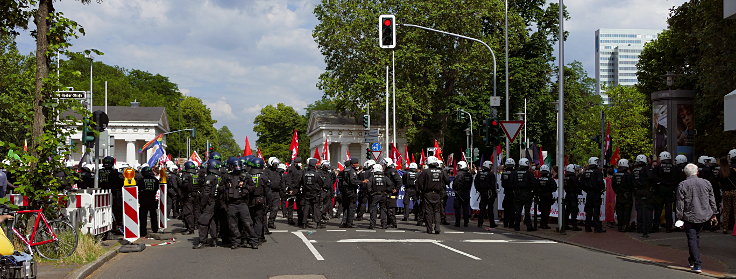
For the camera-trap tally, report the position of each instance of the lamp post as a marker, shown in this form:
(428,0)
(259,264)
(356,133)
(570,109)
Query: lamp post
(180,125)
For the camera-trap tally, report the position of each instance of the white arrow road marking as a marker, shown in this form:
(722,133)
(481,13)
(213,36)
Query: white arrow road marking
(311,248)
(456,251)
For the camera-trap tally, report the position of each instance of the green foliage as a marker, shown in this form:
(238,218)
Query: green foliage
(275,126)
(437,74)
(196,114)
(630,118)
(582,115)
(16,92)
(226,144)
(699,47)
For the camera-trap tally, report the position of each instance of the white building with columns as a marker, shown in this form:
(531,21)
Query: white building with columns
(344,133)
(129,128)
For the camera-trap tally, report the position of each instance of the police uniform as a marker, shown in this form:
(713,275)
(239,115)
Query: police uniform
(508,178)
(524,184)
(623,186)
(380,187)
(410,194)
(544,193)
(462,185)
(593,185)
(485,184)
(236,192)
(311,185)
(431,182)
(148,203)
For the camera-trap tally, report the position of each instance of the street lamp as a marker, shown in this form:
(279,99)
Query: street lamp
(180,126)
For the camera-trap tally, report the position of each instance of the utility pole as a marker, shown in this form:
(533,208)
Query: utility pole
(506,48)
(560,123)
(393,87)
(387,127)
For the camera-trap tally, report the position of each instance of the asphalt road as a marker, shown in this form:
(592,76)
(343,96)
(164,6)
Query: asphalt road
(407,252)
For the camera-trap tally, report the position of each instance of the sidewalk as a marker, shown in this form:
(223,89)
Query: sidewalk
(666,249)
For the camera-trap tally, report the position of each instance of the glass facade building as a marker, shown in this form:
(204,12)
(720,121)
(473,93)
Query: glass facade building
(616,55)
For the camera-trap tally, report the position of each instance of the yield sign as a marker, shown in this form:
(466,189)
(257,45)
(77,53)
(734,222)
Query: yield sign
(375,158)
(511,128)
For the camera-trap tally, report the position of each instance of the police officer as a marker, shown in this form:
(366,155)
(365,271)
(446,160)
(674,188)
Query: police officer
(274,175)
(311,185)
(209,201)
(258,201)
(379,186)
(623,186)
(111,179)
(349,193)
(86,178)
(147,198)
(508,178)
(462,185)
(524,185)
(389,170)
(189,190)
(547,186)
(431,183)
(173,196)
(593,185)
(668,178)
(236,193)
(572,191)
(643,194)
(292,177)
(328,176)
(363,193)
(410,192)
(485,184)
(281,170)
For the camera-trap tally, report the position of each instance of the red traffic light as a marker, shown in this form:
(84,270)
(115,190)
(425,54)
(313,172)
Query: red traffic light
(387,22)
(494,123)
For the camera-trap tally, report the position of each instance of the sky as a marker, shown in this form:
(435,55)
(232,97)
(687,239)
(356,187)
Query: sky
(239,56)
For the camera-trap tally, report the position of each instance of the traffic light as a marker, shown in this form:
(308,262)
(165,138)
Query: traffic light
(486,131)
(460,115)
(366,121)
(387,31)
(496,131)
(368,153)
(193,132)
(101,120)
(212,149)
(88,133)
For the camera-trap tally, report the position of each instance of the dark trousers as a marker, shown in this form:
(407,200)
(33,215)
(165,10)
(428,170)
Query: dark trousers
(643,216)
(443,214)
(692,230)
(257,214)
(239,217)
(148,208)
(378,204)
(310,203)
(433,206)
(522,205)
(289,204)
(207,224)
(486,208)
(326,206)
(172,201)
(275,204)
(410,194)
(623,212)
(462,208)
(282,205)
(593,212)
(545,206)
(117,208)
(363,203)
(508,210)
(348,208)
(187,214)
(571,211)
(665,206)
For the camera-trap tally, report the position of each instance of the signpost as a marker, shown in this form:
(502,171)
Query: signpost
(81,95)
(371,136)
(376,147)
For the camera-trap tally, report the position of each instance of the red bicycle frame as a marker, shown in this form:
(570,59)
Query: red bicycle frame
(39,217)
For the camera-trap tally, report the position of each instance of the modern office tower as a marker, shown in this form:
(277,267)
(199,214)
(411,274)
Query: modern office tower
(616,54)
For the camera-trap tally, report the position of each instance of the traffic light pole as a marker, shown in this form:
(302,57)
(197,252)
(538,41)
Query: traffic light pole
(560,124)
(472,151)
(467,38)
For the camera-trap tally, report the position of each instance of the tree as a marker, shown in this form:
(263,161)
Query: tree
(275,126)
(16,91)
(195,114)
(699,48)
(226,143)
(437,74)
(630,118)
(582,115)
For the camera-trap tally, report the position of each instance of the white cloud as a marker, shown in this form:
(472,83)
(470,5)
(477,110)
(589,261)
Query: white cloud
(221,109)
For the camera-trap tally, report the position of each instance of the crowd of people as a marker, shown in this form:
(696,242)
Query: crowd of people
(238,201)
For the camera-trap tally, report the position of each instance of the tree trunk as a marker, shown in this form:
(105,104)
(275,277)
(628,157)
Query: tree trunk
(42,72)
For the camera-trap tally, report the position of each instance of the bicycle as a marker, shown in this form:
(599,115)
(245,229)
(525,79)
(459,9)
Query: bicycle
(53,240)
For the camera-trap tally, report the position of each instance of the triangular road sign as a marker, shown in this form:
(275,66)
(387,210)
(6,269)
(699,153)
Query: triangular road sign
(375,158)
(512,129)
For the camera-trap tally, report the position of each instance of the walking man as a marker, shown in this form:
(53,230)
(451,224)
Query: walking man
(696,206)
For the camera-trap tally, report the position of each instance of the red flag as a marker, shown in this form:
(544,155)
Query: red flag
(247,151)
(326,150)
(391,153)
(437,150)
(347,153)
(463,158)
(316,154)
(423,158)
(454,167)
(541,156)
(406,154)
(412,159)
(25,145)
(566,163)
(259,154)
(616,156)
(340,166)
(195,158)
(607,146)
(294,147)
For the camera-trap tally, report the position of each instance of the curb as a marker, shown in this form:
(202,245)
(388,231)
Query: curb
(87,269)
(624,256)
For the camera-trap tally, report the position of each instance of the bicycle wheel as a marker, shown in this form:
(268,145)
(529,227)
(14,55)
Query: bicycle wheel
(65,245)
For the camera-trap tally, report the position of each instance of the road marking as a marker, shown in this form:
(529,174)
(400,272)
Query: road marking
(510,241)
(454,232)
(311,248)
(312,241)
(279,231)
(365,230)
(456,250)
(483,233)
(395,231)
(336,230)
(378,240)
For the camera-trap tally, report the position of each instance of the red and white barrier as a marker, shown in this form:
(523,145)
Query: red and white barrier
(162,208)
(90,207)
(130,213)
(18,200)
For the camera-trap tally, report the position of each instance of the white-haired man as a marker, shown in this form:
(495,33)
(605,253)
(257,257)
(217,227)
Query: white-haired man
(695,206)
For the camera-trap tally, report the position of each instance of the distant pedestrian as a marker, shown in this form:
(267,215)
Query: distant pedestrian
(696,205)
(4,183)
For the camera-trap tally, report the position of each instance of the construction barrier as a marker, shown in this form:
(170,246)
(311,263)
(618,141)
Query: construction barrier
(131,222)
(162,208)
(93,209)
